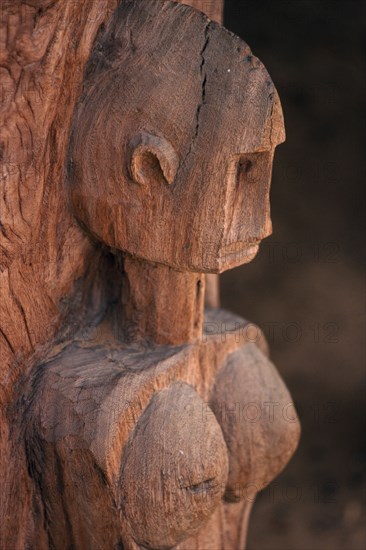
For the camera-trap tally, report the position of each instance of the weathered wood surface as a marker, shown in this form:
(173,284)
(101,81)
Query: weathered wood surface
(214,9)
(44,48)
(94,342)
(212,210)
(107,395)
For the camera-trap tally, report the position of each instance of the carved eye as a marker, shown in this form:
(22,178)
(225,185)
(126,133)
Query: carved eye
(174,470)
(152,159)
(253,168)
(245,165)
(245,170)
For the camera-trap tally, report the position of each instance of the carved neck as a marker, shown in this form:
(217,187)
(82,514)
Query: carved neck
(160,304)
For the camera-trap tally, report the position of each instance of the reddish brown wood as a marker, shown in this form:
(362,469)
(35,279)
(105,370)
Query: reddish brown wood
(145,152)
(114,379)
(160,304)
(214,9)
(44,48)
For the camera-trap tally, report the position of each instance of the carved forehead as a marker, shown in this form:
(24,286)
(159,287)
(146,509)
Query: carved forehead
(185,74)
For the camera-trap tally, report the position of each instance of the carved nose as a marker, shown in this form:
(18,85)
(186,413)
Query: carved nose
(248,219)
(174,469)
(253,179)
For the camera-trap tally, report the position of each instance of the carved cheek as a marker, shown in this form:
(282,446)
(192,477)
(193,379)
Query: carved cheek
(174,469)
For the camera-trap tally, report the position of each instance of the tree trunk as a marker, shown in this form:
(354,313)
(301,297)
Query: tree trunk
(44,255)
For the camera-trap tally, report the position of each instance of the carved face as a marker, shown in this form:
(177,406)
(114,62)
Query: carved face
(173,140)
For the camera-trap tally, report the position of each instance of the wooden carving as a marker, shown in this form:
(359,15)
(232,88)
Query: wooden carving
(134,416)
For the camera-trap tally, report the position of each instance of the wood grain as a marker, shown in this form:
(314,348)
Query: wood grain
(45,46)
(214,9)
(136,149)
(219,131)
(93,400)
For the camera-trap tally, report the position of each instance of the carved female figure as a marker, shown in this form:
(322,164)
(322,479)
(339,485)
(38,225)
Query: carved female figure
(142,435)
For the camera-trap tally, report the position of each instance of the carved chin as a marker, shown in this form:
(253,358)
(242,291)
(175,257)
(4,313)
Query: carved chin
(237,253)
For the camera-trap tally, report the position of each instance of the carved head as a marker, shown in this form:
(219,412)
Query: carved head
(173,140)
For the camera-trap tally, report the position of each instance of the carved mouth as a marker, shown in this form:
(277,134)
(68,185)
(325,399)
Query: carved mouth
(239,252)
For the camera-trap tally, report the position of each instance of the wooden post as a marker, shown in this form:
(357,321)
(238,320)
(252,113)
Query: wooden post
(137,148)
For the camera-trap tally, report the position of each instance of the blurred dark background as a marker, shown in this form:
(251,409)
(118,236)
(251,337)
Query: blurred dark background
(306,286)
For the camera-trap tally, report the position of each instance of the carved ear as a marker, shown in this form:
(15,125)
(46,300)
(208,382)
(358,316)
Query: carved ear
(152,159)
